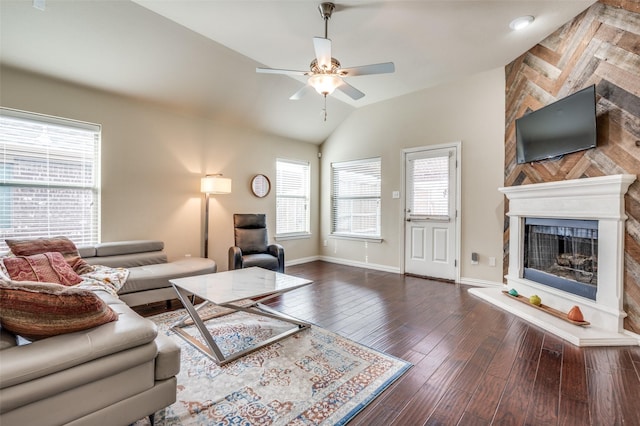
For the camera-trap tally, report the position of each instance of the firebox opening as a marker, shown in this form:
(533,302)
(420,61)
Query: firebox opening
(562,253)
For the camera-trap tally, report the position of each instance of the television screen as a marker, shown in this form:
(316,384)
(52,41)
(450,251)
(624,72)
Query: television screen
(565,126)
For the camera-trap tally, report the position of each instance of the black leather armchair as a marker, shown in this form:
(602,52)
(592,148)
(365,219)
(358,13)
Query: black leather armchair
(252,246)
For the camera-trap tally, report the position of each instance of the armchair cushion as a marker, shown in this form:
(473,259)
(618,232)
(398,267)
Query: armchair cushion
(251,241)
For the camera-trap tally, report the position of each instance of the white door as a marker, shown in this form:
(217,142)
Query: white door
(430,212)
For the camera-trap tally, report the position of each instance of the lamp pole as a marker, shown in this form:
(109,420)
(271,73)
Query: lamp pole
(212,184)
(206,226)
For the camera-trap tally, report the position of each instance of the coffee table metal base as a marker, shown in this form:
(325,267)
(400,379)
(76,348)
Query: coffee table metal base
(211,348)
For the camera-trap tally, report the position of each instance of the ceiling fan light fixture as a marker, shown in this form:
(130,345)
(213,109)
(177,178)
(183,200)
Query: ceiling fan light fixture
(521,22)
(324,84)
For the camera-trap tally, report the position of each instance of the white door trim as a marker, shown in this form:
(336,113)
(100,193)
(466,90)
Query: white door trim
(457,145)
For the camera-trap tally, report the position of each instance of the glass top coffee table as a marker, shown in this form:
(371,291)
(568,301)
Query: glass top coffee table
(226,289)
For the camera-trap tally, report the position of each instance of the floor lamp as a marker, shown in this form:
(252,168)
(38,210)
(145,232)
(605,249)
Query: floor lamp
(212,184)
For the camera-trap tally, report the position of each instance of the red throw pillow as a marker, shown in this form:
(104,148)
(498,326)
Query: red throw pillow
(45,267)
(63,245)
(40,310)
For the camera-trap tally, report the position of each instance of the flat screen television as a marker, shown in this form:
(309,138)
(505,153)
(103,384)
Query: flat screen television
(565,126)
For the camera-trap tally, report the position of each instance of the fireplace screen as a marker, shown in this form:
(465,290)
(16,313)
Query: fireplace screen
(562,253)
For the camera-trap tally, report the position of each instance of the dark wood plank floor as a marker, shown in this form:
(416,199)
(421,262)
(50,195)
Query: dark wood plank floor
(474,364)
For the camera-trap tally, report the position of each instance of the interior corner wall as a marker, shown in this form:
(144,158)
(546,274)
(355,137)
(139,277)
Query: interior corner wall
(599,47)
(471,111)
(152,159)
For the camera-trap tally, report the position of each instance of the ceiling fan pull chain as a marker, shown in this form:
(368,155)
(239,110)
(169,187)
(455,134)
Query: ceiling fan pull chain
(324,110)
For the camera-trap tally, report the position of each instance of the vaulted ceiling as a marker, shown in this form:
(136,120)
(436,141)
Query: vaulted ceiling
(201,55)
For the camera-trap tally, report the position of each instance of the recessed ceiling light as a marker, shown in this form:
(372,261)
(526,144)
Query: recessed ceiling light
(521,22)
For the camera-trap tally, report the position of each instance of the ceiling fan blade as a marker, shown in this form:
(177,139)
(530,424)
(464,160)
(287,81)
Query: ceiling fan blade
(322,47)
(384,68)
(278,71)
(350,91)
(301,93)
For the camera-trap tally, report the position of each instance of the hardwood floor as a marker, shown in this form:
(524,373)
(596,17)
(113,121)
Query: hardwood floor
(474,364)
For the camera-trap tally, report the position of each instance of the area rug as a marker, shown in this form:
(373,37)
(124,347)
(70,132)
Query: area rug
(314,377)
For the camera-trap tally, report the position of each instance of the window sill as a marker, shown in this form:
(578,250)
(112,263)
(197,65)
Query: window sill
(292,237)
(357,238)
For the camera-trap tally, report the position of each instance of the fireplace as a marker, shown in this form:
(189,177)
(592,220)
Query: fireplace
(563,254)
(566,245)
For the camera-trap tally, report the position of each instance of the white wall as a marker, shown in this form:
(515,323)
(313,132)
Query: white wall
(153,158)
(471,111)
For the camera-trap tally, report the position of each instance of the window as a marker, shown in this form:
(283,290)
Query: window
(292,198)
(355,198)
(49,178)
(430,193)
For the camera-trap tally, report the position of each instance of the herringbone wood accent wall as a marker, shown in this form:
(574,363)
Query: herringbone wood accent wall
(601,46)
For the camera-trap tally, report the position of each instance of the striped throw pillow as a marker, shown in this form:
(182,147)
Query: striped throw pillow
(38,310)
(45,267)
(63,245)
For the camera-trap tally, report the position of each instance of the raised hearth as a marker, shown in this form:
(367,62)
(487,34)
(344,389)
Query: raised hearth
(598,199)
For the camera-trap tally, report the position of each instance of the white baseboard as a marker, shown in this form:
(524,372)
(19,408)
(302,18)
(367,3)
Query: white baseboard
(301,260)
(480,283)
(374,266)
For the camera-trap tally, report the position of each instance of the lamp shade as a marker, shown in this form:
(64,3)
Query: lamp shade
(215,184)
(325,84)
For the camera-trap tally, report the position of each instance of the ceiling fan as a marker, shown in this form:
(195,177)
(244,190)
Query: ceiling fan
(325,73)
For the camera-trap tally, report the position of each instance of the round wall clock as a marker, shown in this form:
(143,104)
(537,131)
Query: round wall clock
(260,186)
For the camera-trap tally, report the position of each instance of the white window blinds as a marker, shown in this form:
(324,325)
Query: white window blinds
(355,198)
(292,198)
(49,178)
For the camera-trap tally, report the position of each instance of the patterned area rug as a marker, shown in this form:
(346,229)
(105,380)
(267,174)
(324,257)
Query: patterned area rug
(313,377)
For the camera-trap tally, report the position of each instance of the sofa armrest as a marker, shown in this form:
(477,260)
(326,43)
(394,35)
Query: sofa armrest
(168,358)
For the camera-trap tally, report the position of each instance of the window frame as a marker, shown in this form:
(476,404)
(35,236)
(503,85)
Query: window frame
(353,166)
(90,220)
(301,233)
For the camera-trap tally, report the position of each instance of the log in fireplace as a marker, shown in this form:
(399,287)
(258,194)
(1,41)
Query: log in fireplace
(562,253)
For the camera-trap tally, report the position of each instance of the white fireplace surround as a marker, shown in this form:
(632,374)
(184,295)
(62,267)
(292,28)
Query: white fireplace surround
(598,198)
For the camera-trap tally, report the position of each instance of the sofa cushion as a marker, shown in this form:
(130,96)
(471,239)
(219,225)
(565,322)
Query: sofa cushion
(128,247)
(44,267)
(39,310)
(63,245)
(87,251)
(131,260)
(150,277)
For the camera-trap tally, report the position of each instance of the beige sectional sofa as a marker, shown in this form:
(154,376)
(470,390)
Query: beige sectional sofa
(113,374)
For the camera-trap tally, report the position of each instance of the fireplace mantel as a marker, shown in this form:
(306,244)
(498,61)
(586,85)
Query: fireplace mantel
(598,198)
